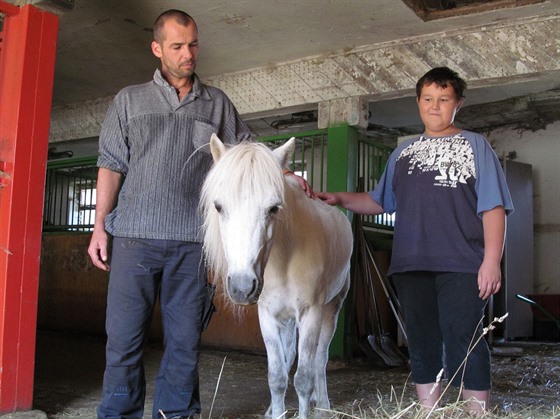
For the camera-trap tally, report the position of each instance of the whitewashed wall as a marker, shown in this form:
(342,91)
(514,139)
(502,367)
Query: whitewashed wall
(541,149)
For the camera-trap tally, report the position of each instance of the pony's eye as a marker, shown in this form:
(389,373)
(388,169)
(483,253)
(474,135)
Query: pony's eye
(218,207)
(273,210)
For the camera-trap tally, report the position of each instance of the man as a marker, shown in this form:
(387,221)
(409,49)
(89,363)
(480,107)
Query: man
(153,157)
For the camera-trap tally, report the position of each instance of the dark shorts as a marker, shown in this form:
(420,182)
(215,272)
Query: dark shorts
(443,318)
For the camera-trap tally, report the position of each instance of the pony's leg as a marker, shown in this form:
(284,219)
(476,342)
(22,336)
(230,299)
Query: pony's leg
(278,355)
(304,378)
(288,335)
(328,327)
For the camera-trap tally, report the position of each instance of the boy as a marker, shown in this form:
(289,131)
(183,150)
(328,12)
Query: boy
(450,194)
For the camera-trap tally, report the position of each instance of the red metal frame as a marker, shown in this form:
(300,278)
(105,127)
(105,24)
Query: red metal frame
(27,59)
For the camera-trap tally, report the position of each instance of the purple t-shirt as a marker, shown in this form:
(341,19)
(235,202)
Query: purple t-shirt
(439,187)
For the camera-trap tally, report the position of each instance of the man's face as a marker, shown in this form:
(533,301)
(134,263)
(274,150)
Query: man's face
(178,50)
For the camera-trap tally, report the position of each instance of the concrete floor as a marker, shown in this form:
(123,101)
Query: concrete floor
(69,372)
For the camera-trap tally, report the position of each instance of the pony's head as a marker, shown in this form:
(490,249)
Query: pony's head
(242,199)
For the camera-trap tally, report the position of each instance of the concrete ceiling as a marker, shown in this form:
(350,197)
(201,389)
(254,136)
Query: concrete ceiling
(104,45)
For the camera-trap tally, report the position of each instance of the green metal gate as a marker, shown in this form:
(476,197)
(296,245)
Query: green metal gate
(71,183)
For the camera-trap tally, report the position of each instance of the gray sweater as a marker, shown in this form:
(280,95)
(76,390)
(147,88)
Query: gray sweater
(160,145)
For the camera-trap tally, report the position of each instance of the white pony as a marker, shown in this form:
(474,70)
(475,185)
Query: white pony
(273,245)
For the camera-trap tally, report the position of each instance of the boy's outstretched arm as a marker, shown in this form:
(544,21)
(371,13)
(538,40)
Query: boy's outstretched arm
(357,202)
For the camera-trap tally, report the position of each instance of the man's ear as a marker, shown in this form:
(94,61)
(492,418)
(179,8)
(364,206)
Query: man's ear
(156,49)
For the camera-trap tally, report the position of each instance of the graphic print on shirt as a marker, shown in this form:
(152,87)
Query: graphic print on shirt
(451,159)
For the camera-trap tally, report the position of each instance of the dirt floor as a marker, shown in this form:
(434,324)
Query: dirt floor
(526,377)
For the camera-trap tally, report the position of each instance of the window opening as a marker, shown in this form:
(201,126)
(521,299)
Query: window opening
(70,195)
(440,9)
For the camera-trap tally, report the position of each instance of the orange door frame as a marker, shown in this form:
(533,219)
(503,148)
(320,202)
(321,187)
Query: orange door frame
(27,56)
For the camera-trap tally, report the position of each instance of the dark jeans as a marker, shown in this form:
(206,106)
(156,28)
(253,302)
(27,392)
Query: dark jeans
(140,270)
(442,313)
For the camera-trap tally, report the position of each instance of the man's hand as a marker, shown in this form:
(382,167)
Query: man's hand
(108,186)
(303,183)
(97,249)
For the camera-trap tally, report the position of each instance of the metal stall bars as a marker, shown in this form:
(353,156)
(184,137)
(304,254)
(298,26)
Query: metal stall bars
(310,155)
(70,195)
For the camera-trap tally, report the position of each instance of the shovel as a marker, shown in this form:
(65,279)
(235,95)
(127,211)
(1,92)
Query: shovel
(369,347)
(389,292)
(387,344)
(381,342)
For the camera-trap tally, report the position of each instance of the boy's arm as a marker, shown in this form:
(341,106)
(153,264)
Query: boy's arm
(490,274)
(357,202)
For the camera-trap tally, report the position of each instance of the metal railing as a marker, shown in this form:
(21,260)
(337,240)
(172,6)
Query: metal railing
(70,193)
(310,156)
(371,161)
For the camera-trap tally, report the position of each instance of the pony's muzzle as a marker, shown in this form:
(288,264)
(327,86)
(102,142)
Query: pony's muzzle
(243,289)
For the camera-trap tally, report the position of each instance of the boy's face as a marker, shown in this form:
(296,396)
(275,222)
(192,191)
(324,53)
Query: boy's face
(437,108)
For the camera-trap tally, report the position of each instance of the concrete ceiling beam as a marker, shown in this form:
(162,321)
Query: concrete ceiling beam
(505,53)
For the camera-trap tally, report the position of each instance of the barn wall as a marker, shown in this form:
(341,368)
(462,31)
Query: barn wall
(541,149)
(73,295)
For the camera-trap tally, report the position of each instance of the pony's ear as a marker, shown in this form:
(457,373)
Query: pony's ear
(217,148)
(285,151)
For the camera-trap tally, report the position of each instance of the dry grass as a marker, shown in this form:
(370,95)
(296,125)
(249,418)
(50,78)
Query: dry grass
(456,410)
(399,401)
(403,405)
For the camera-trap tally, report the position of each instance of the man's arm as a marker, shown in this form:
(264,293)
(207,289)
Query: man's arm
(302,183)
(108,186)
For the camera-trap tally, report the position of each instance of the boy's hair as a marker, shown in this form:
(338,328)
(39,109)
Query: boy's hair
(180,17)
(442,76)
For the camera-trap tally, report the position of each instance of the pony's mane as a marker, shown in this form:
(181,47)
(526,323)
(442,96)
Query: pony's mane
(245,171)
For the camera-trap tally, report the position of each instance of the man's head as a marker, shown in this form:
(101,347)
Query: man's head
(442,77)
(176,44)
